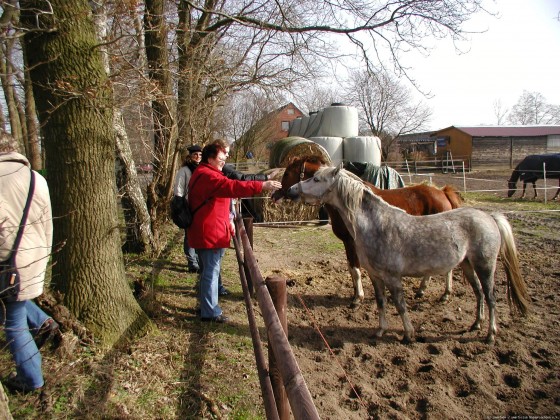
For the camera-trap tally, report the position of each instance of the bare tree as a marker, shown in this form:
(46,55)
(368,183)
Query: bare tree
(16,85)
(500,112)
(139,236)
(532,108)
(386,107)
(247,119)
(316,97)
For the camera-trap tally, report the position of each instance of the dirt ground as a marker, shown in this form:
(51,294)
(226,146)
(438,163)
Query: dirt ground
(449,372)
(187,369)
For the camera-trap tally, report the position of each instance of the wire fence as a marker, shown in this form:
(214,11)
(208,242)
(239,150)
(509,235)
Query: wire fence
(493,181)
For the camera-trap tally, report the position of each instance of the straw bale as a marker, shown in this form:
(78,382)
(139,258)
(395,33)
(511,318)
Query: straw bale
(287,148)
(265,210)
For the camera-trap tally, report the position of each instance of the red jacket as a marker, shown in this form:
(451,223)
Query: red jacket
(211,225)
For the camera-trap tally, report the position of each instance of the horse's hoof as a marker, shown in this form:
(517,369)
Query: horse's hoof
(419,294)
(475,327)
(491,339)
(444,298)
(379,333)
(407,340)
(355,304)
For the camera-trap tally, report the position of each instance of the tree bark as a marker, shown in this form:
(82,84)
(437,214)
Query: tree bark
(139,236)
(164,114)
(8,86)
(33,141)
(74,103)
(4,407)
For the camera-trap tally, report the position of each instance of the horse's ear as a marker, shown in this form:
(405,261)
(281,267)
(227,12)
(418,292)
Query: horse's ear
(338,168)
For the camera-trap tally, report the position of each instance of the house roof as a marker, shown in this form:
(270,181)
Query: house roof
(507,131)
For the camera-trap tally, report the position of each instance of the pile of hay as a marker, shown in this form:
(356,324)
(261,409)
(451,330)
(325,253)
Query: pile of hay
(265,210)
(287,148)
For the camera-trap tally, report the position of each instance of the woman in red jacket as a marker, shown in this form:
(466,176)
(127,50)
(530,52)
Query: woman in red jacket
(210,193)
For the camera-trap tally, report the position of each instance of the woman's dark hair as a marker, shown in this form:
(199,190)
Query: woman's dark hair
(211,150)
(8,143)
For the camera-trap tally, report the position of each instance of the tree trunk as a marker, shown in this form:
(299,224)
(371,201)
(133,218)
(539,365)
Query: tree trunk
(139,236)
(8,86)
(33,142)
(164,114)
(73,97)
(4,407)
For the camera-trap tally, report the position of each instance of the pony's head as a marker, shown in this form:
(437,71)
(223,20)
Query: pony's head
(326,184)
(298,169)
(512,181)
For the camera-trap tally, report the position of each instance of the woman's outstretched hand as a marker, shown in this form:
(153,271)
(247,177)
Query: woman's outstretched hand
(271,185)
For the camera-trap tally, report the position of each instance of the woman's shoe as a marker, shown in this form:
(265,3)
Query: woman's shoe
(221,319)
(14,383)
(47,331)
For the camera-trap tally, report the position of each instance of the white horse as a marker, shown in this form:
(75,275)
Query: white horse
(392,244)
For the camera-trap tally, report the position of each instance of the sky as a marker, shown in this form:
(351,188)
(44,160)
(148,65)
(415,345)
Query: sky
(519,51)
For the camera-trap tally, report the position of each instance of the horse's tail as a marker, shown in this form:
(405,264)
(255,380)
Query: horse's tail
(453,196)
(517,294)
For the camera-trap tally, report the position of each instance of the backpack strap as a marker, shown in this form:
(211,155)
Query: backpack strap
(24,216)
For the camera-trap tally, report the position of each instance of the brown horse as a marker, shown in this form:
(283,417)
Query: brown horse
(416,200)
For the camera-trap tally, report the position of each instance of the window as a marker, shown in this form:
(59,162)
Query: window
(290,111)
(285,125)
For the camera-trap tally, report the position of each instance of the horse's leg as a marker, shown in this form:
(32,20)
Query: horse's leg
(423,286)
(486,277)
(557,191)
(380,299)
(535,189)
(524,187)
(477,289)
(355,273)
(448,287)
(394,284)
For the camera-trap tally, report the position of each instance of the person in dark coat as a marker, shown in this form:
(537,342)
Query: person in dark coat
(181,190)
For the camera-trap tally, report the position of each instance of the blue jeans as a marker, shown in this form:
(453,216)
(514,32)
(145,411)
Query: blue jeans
(22,319)
(211,264)
(192,257)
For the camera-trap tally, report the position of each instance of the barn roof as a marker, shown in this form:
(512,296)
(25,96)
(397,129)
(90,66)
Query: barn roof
(507,131)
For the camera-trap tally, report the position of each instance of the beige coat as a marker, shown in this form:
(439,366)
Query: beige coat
(35,247)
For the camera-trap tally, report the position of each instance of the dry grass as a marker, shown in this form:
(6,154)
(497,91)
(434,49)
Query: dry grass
(185,369)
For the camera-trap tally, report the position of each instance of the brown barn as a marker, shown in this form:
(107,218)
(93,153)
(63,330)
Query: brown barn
(486,145)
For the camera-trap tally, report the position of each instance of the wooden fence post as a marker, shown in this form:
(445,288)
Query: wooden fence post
(277,288)
(248,224)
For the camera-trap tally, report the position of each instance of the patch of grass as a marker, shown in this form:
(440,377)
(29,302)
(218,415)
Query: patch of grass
(514,204)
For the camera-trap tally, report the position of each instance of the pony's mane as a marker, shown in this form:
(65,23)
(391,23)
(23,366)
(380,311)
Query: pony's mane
(351,189)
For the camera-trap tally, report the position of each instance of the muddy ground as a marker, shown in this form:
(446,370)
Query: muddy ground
(449,372)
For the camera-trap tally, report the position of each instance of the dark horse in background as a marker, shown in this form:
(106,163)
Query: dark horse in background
(531,169)
(416,200)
